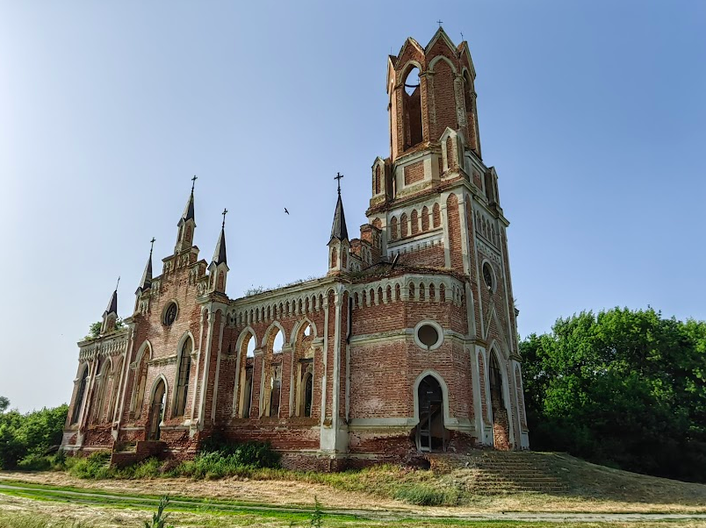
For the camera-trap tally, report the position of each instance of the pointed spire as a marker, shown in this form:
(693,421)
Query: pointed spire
(219,255)
(339,229)
(113,303)
(189,209)
(146,281)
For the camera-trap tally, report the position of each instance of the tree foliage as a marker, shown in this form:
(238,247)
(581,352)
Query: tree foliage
(622,388)
(30,434)
(94,330)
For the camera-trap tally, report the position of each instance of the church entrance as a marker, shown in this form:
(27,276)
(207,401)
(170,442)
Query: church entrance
(431,433)
(156,411)
(497,401)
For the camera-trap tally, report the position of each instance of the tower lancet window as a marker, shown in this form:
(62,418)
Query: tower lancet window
(412,109)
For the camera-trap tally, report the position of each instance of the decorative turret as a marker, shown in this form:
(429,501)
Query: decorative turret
(339,245)
(186,224)
(218,269)
(110,316)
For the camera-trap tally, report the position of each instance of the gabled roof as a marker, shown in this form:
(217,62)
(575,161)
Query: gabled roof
(440,34)
(407,43)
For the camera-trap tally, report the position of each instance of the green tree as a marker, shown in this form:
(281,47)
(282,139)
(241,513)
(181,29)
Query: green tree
(623,388)
(30,434)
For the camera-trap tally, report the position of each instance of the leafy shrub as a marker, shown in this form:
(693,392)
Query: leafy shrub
(247,454)
(219,460)
(94,466)
(56,462)
(150,468)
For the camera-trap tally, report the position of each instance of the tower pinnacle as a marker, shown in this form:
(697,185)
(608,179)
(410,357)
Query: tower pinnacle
(146,282)
(219,255)
(187,223)
(339,229)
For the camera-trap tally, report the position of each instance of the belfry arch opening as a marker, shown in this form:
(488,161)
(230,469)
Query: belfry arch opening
(412,109)
(431,435)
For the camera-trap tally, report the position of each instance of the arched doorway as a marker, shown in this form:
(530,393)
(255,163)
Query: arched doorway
(431,433)
(497,402)
(156,411)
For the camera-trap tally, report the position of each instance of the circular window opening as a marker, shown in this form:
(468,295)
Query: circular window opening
(428,335)
(488,276)
(170,314)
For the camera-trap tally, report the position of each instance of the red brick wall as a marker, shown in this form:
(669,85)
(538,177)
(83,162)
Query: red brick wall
(444,100)
(454,226)
(414,173)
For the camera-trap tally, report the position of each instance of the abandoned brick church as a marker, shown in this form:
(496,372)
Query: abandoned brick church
(407,345)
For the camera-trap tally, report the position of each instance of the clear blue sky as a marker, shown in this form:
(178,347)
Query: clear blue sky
(592,112)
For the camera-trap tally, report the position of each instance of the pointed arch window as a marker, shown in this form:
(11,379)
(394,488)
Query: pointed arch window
(78,402)
(247,353)
(275,390)
(183,373)
(306,388)
(99,402)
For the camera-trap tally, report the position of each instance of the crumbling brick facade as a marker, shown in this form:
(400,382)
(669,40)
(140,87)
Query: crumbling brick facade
(407,345)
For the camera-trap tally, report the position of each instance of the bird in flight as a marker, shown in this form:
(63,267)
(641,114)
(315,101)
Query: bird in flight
(285,210)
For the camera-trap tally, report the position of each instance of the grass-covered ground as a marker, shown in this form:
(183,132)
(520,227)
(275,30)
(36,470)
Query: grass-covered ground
(218,490)
(38,506)
(588,487)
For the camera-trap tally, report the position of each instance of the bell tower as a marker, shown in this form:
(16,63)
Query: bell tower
(420,191)
(431,89)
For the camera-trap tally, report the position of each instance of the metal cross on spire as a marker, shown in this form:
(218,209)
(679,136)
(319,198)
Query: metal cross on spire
(338,178)
(193,182)
(439,22)
(117,283)
(461,35)
(152,245)
(224,213)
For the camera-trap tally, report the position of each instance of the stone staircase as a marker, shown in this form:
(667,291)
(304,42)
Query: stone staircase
(498,472)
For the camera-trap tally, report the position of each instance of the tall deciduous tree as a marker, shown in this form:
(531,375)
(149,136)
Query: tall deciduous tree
(623,388)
